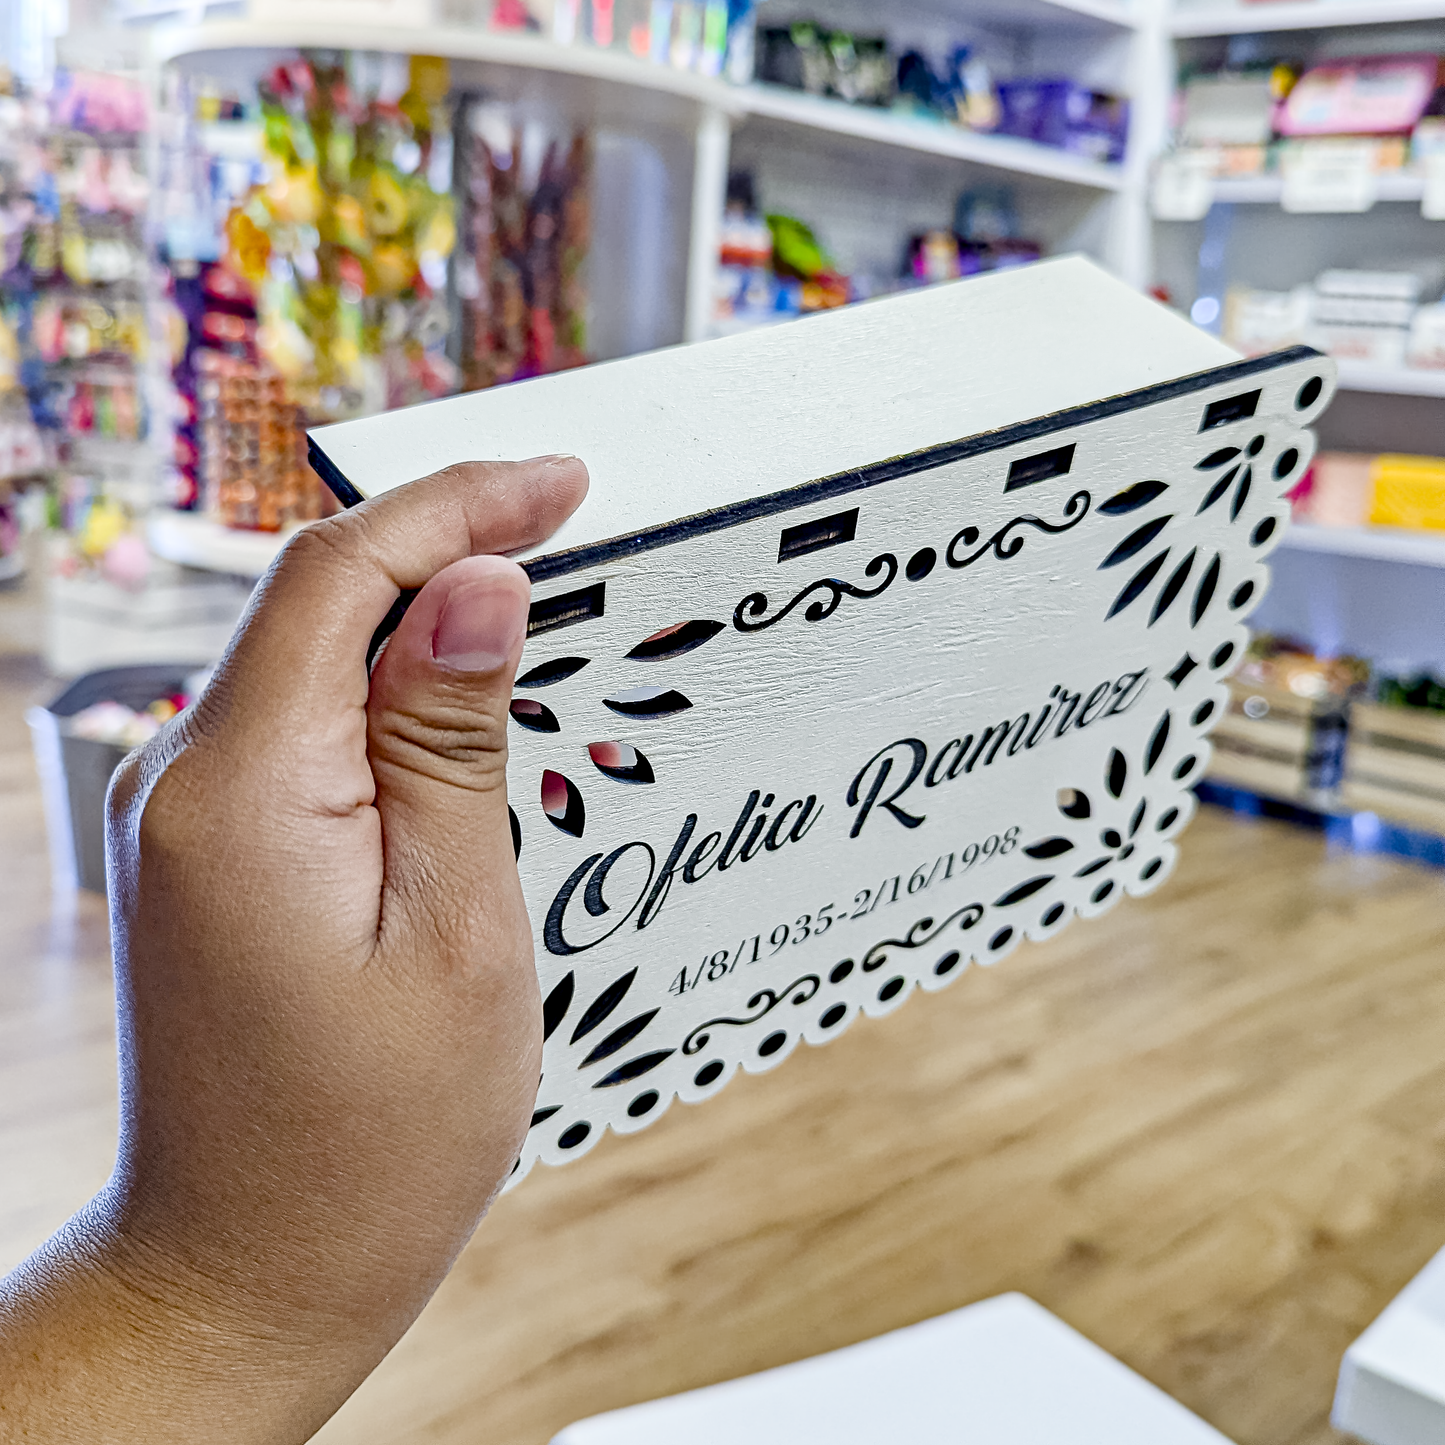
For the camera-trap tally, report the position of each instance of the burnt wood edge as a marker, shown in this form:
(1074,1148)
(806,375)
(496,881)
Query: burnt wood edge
(559,564)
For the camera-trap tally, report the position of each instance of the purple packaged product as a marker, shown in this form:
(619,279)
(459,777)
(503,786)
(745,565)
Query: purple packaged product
(1056,111)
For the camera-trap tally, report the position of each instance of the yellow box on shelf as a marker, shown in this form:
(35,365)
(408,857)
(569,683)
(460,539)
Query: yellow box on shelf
(1408,492)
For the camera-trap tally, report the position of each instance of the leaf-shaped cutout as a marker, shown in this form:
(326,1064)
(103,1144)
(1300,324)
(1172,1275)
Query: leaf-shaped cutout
(1132,498)
(621,761)
(1118,773)
(535,716)
(562,803)
(647,702)
(619,1038)
(1241,494)
(556,1004)
(1217,490)
(1138,817)
(674,641)
(1073,803)
(1172,588)
(634,1069)
(1155,749)
(1093,867)
(558,670)
(1024,890)
(600,1007)
(1217,459)
(1135,542)
(516,823)
(1049,848)
(1137,583)
(542,1115)
(1204,593)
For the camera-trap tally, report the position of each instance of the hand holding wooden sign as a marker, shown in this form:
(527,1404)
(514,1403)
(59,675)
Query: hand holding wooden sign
(823,701)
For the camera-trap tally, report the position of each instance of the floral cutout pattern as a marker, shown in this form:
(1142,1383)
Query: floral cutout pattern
(1112,832)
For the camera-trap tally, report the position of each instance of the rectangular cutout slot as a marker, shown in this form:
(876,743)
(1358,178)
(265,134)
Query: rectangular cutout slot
(814,536)
(1028,470)
(1231,408)
(566,609)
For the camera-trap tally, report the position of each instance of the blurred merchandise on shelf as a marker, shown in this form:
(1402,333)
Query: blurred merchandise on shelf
(1284,732)
(122,726)
(347,240)
(806,56)
(1408,492)
(1057,111)
(1379,114)
(1421,690)
(526,225)
(774,267)
(1351,489)
(1049,110)
(1395,763)
(1373,317)
(709,37)
(1371,95)
(254,442)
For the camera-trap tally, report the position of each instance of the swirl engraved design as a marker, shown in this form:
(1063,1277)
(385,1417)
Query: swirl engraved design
(1003,545)
(756,603)
(923,932)
(764,1001)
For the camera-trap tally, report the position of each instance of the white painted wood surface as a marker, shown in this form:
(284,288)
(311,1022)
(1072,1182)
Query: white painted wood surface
(1392,1380)
(677,432)
(885,641)
(1003,1371)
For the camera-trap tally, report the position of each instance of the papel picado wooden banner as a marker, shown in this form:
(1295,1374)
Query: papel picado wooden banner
(884,641)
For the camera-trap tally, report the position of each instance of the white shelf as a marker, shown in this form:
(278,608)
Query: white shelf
(1384,544)
(1391,380)
(625,72)
(1265,190)
(518,52)
(934,137)
(196,541)
(1241,19)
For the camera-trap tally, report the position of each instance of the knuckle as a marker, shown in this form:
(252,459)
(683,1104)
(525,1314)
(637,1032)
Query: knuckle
(462,742)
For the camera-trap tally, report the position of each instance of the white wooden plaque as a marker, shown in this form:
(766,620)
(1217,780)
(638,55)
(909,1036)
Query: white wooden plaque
(885,641)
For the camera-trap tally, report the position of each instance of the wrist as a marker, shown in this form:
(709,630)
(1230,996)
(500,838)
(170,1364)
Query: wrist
(111,1332)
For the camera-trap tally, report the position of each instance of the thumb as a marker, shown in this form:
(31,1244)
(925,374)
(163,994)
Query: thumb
(437,744)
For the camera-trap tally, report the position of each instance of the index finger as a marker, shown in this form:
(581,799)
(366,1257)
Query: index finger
(311,620)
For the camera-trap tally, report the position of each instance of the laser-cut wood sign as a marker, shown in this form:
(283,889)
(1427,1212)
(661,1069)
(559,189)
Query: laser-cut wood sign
(788,748)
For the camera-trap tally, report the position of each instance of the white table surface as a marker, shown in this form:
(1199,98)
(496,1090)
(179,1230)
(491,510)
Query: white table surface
(1001,1372)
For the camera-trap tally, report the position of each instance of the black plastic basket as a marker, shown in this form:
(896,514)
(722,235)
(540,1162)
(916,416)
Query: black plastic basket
(75,772)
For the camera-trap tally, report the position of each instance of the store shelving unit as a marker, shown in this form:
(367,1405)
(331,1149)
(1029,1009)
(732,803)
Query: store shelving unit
(1378,591)
(1382,544)
(1391,380)
(1077,203)
(193,540)
(1216,17)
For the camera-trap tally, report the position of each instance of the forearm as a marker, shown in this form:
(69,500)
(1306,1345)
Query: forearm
(104,1338)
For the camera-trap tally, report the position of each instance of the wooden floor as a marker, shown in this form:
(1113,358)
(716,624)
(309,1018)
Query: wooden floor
(1207,1130)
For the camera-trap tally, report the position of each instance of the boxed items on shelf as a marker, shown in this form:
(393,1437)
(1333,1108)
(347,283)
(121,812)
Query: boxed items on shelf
(1371,317)
(1284,731)
(1362,116)
(1349,489)
(1057,111)
(1395,763)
